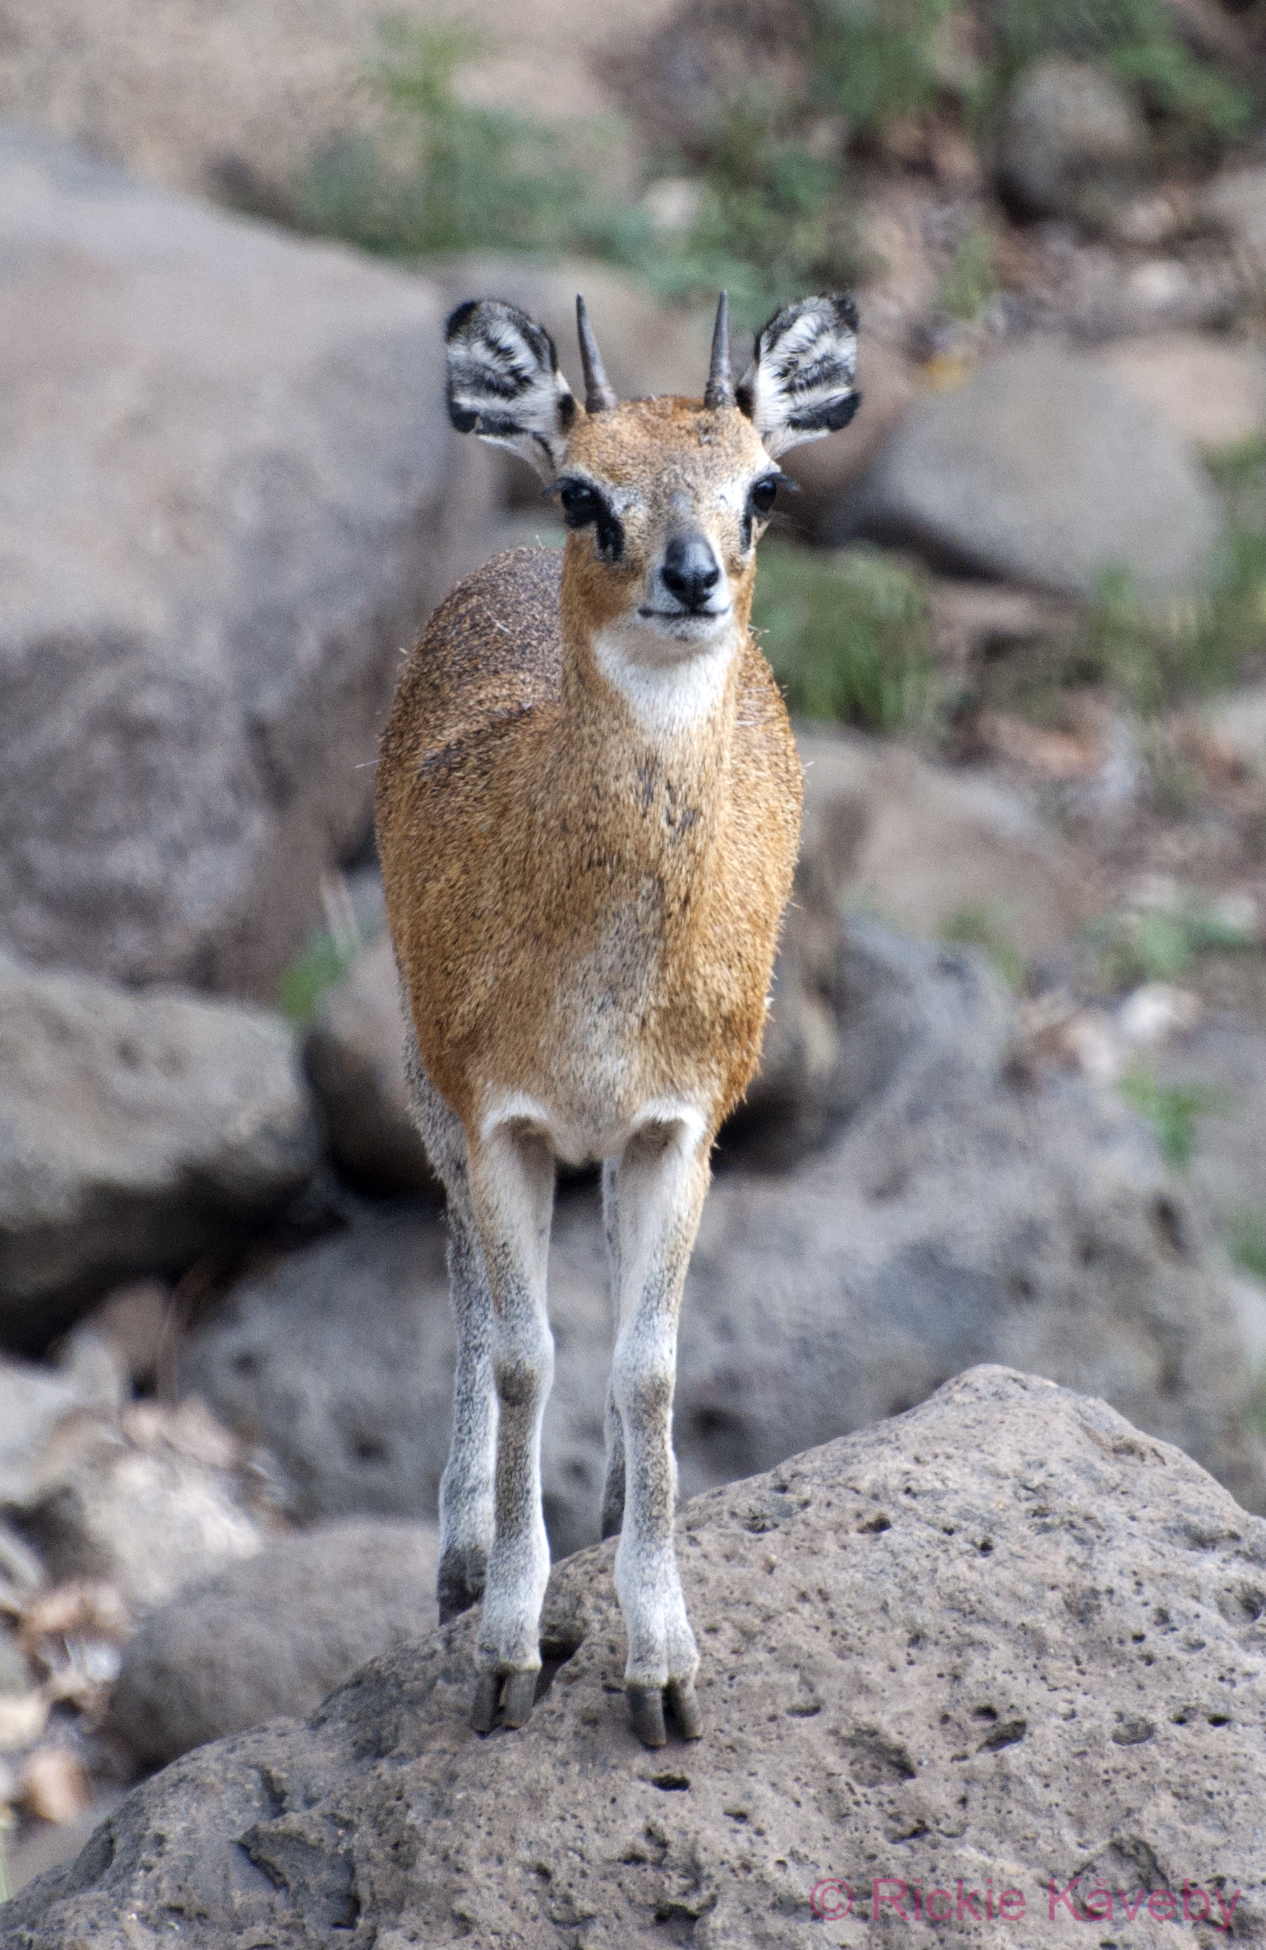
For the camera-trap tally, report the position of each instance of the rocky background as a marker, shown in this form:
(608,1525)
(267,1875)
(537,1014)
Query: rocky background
(1013,1108)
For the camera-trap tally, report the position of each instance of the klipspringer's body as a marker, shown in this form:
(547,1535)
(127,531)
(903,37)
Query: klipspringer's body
(588,812)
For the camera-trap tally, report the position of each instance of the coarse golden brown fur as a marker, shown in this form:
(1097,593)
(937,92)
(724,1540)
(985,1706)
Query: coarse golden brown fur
(588,809)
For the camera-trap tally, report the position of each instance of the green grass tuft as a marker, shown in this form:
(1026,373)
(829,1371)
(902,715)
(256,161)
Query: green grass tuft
(319,966)
(985,928)
(1172,1110)
(1246,1241)
(848,634)
(1136,945)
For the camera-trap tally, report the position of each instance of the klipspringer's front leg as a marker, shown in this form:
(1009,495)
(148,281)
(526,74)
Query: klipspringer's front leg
(613,1475)
(512,1191)
(661,1182)
(466,1487)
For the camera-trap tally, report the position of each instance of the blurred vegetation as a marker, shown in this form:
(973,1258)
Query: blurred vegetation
(849,635)
(1172,1109)
(1246,1241)
(771,167)
(1160,944)
(1193,105)
(320,965)
(986,928)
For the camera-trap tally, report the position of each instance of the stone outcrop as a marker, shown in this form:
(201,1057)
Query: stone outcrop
(1042,469)
(136,1131)
(1005,1642)
(272,1635)
(222,486)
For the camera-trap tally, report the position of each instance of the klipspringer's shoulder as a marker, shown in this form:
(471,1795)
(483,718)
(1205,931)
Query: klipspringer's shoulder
(764,727)
(491,651)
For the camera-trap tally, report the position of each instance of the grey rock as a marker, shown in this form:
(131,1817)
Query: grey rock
(988,1640)
(221,487)
(1211,388)
(943,1208)
(339,1360)
(1067,131)
(273,1635)
(1042,469)
(136,1131)
(354,1058)
(1236,201)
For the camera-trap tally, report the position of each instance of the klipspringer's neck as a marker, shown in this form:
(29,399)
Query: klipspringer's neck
(676,687)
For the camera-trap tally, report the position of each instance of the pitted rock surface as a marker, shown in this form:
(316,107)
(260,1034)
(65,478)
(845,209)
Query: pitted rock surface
(1003,1638)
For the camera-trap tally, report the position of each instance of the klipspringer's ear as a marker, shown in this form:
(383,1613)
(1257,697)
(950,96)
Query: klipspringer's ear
(504,383)
(801,383)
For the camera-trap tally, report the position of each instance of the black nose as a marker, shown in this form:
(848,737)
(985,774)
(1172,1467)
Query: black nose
(691,571)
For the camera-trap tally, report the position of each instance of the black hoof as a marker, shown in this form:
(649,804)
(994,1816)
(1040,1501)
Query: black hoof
(513,1693)
(483,1714)
(684,1706)
(646,1714)
(520,1696)
(457,1588)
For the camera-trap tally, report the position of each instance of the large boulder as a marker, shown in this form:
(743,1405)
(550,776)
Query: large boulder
(222,491)
(1042,469)
(956,1208)
(244,103)
(1210,388)
(273,1635)
(354,1058)
(1006,1642)
(136,1131)
(1067,131)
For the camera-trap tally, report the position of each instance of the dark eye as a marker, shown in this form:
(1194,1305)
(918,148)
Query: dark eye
(581,504)
(763,493)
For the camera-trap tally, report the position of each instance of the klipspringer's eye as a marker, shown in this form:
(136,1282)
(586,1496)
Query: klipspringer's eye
(581,504)
(762,495)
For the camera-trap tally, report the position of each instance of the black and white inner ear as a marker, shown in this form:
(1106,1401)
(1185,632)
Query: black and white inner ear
(802,382)
(504,383)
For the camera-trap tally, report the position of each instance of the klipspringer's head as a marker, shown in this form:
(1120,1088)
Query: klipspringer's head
(665,498)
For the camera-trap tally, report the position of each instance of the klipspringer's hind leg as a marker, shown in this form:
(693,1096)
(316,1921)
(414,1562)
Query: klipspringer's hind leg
(613,1478)
(466,1487)
(662,1181)
(512,1190)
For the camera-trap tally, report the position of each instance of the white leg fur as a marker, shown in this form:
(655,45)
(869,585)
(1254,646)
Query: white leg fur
(466,1487)
(512,1190)
(659,1189)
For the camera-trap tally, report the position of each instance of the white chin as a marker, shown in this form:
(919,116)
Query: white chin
(687,631)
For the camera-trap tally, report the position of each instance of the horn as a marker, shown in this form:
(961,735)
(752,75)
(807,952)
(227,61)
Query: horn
(719,390)
(600,394)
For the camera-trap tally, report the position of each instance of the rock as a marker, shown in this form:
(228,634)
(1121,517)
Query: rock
(1236,201)
(340,1360)
(1045,470)
(354,1058)
(955,1209)
(985,1646)
(218,534)
(1226,1056)
(136,1131)
(1068,134)
(273,1635)
(1210,389)
(248,105)
(146,1501)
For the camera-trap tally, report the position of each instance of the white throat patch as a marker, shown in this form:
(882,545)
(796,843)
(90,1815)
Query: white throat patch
(670,684)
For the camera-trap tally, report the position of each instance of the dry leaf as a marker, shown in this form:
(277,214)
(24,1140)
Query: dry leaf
(54,1785)
(22,1717)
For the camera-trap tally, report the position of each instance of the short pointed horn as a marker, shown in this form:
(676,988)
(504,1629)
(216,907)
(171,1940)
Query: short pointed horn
(719,390)
(600,394)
